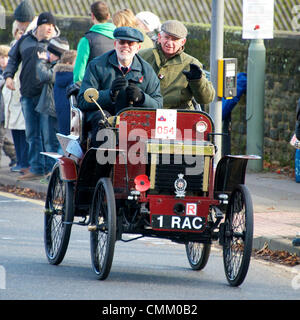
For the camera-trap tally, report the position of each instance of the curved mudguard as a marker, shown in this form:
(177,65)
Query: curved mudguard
(231,170)
(67,168)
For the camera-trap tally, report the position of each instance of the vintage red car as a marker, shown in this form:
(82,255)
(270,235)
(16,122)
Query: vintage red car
(153,176)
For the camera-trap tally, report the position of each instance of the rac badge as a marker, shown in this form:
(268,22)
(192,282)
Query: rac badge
(180,185)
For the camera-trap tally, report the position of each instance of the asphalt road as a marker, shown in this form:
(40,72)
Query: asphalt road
(145,269)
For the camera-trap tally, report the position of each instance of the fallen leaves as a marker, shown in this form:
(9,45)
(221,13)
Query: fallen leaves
(279,256)
(23,192)
(274,166)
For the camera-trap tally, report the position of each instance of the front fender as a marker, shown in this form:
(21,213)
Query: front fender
(231,171)
(67,169)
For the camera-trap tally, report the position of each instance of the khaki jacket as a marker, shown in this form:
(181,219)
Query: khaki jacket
(177,92)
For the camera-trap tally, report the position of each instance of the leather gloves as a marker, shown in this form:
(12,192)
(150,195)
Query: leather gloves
(117,85)
(195,72)
(134,95)
(73,89)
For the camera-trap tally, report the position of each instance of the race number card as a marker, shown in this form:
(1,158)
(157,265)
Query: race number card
(166,124)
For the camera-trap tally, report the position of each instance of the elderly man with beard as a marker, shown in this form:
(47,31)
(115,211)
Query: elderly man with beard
(122,78)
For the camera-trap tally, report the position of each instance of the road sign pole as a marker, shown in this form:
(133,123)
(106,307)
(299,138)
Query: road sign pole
(216,53)
(255,102)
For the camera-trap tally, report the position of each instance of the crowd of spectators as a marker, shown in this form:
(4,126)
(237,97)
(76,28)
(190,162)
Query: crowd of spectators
(38,69)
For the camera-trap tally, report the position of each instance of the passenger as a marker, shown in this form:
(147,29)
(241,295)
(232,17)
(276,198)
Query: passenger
(181,75)
(98,40)
(126,18)
(121,77)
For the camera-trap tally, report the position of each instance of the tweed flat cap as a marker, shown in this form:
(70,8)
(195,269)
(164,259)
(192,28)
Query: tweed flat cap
(128,33)
(175,28)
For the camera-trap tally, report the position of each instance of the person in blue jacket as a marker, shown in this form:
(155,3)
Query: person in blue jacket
(122,78)
(297,128)
(296,241)
(63,73)
(227,107)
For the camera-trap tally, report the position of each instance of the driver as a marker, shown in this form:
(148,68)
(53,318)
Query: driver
(122,78)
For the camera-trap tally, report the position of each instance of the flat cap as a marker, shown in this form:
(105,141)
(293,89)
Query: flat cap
(175,28)
(128,33)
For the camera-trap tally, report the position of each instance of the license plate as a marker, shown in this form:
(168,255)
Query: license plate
(177,222)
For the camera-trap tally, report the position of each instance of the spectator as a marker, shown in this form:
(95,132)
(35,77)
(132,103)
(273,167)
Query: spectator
(63,73)
(150,23)
(14,119)
(297,128)
(227,107)
(126,18)
(46,105)
(98,40)
(25,52)
(296,241)
(25,18)
(5,144)
(120,76)
(170,63)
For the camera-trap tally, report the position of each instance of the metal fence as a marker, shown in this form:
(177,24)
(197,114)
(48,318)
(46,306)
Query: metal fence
(287,12)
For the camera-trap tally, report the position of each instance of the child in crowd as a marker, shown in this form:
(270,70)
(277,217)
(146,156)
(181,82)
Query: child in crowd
(14,118)
(5,144)
(63,72)
(46,106)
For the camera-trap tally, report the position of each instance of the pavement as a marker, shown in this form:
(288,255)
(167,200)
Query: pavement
(276,202)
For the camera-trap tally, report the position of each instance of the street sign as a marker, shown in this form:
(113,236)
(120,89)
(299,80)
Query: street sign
(258,19)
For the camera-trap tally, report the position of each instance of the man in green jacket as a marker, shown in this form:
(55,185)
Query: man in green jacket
(181,76)
(122,79)
(98,40)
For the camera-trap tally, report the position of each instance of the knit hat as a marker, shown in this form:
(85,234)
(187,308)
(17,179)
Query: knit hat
(175,28)
(150,20)
(4,50)
(24,12)
(58,46)
(46,17)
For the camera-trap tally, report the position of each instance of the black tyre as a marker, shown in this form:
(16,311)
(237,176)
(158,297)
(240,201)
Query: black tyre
(59,215)
(103,228)
(238,236)
(197,254)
